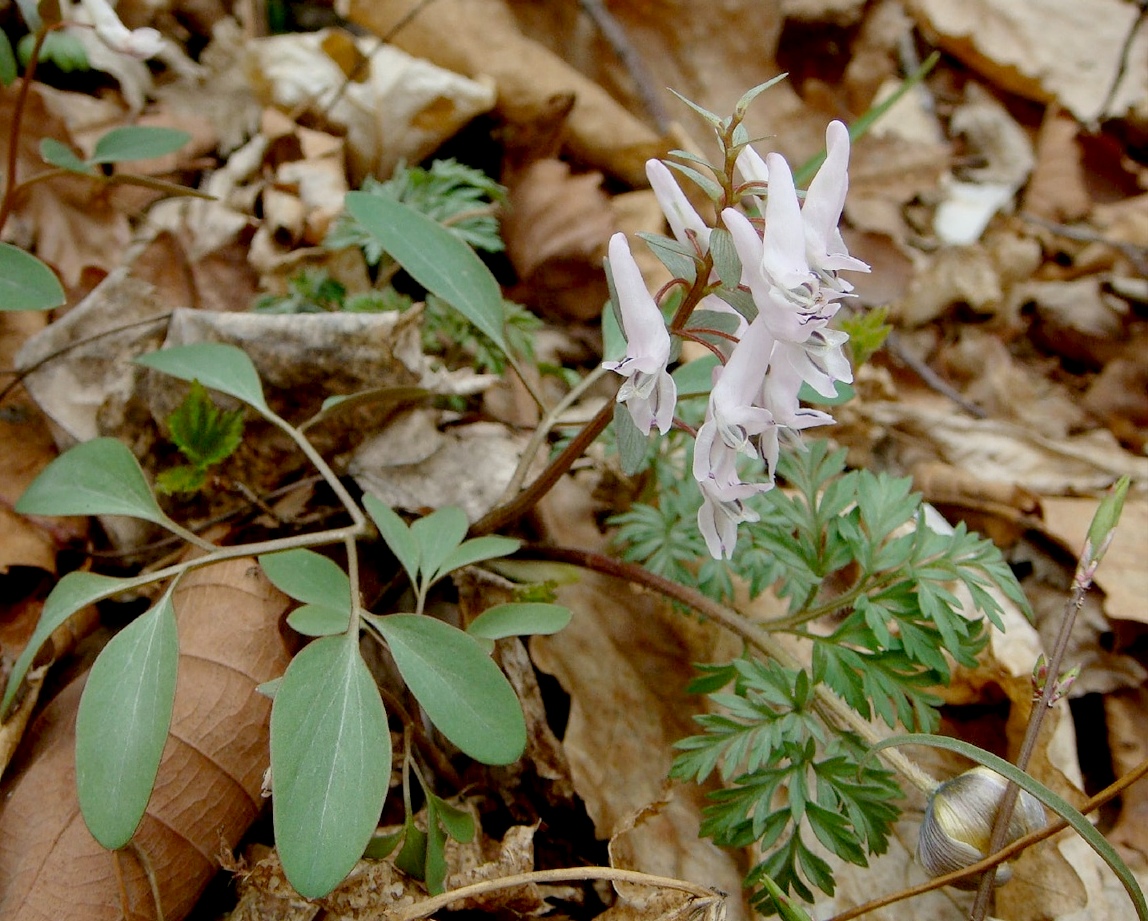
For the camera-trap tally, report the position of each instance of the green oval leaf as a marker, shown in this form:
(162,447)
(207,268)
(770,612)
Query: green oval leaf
(463,692)
(26,283)
(7,61)
(330,763)
(138,142)
(217,365)
(97,477)
(61,155)
(1030,784)
(309,577)
(74,591)
(435,258)
(518,619)
(469,552)
(395,534)
(319,620)
(122,724)
(438,536)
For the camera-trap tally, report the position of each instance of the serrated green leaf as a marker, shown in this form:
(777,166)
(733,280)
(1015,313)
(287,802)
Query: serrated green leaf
(204,434)
(1030,784)
(319,620)
(330,763)
(438,535)
(463,692)
(221,367)
(60,155)
(476,550)
(520,619)
(180,480)
(7,61)
(122,724)
(138,142)
(26,283)
(309,577)
(435,258)
(97,477)
(74,591)
(395,534)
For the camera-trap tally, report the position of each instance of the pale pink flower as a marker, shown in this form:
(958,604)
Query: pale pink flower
(649,391)
(685,223)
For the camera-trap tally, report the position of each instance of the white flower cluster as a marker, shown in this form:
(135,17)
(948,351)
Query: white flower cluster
(792,274)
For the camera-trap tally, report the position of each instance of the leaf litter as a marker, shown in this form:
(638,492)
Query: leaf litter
(1029,310)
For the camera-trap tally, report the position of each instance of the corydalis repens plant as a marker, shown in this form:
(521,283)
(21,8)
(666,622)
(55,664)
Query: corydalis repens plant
(791,271)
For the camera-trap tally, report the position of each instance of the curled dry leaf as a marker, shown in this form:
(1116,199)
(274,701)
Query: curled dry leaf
(208,789)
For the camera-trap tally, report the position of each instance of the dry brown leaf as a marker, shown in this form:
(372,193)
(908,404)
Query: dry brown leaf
(1126,712)
(459,35)
(208,788)
(1119,396)
(1047,49)
(556,228)
(1122,575)
(1057,189)
(625,660)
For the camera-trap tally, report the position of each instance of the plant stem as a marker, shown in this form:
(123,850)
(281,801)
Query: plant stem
(1110,792)
(14,131)
(431,905)
(831,708)
(525,500)
(543,429)
(1028,746)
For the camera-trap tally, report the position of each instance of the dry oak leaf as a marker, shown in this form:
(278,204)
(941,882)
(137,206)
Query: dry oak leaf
(208,789)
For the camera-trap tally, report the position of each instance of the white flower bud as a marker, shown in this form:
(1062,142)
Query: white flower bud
(958,824)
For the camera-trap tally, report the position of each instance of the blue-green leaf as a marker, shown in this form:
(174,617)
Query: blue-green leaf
(463,692)
(435,258)
(97,477)
(319,620)
(61,155)
(74,591)
(330,763)
(138,142)
(438,536)
(309,577)
(221,367)
(476,550)
(518,619)
(396,534)
(1030,784)
(122,724)
(26,283)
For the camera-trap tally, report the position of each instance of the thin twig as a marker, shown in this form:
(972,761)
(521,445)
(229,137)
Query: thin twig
(930,377)
(431,905)
(14,129)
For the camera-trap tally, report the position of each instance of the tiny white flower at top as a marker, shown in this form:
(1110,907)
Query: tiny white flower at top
(685,223)
(649,391)
(139,43)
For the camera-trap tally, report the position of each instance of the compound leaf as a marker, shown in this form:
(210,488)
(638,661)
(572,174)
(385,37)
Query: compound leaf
(330,763)
(217,365)
(435,258)
(122,724)
(97,477)
(463,692)
(26,283)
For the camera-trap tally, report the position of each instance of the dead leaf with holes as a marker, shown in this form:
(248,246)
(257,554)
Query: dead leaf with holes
(208,789)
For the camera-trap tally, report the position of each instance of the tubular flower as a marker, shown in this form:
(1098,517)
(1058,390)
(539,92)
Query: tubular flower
(735,424)
(139,43)
(648,391)
(685,223)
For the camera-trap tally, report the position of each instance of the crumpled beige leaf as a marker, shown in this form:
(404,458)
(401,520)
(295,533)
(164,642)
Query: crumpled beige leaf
(1067,50)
